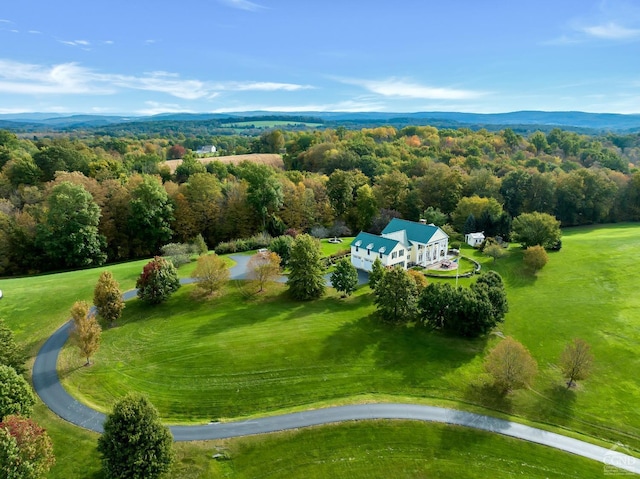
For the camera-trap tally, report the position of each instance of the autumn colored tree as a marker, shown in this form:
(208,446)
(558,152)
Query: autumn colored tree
(535,258)
(511,365)
(576,361)
(135,443)
(16,396)
(107,298)
(86,331)
(176,152)
(263,268)
(344,277)
(158,281)
(26,450)
(211,274)
(418,278)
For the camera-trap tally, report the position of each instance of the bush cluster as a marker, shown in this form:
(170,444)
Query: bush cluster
(261,240)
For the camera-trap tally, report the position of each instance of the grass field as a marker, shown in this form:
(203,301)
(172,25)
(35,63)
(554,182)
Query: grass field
(381,449)
(271,124)
(236,357)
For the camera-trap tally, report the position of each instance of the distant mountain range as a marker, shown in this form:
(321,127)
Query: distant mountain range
(525,120)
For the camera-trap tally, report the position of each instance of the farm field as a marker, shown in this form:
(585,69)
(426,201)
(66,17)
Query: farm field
(270,159)
(271,124)
(286,355)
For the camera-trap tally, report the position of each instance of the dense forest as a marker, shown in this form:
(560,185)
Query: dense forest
(68,202)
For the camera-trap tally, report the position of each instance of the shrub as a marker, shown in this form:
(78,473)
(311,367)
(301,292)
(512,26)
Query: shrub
(535,258)
(178,253)
(319,232)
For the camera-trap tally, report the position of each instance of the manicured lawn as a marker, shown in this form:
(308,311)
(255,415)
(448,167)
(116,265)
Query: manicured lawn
(382,449)
(236,356)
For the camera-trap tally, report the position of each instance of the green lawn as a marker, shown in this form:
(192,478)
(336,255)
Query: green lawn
(381,449)
(233,357)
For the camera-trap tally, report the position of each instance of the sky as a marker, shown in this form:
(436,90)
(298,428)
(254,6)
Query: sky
(145,57)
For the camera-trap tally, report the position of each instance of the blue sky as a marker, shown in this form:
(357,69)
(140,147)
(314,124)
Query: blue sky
(146,57)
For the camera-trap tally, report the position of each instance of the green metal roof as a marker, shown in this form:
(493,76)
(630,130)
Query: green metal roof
(417,232)
(374,243)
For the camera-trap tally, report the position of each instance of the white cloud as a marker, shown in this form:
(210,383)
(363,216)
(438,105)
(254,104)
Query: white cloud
(155,108)
(261,86)
(150,41)
(75,43)
(398,88)
(345,106)
(4,20)
(35,32)
(611,31)
(108,42)
(243,5)
(30,79)
(71,79)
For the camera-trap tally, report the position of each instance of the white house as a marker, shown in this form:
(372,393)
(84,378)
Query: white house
(474,239)
(401,243)
(206,149)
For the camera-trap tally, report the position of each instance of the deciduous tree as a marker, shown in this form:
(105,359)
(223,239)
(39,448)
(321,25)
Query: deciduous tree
(396,296)
(26,450)
(86,331)
(535,258)
(158,281)
(281,245)
(135,443)
(211,274)
(511,365)
(306,279)
(11,353)
(495,251)
(576,361)
(535,228)
(107,298)
(263,268)
(344,277)
(69,234)
(151,215)
(16,396)
(377,272)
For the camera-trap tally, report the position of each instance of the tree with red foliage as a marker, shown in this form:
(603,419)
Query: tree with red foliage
(158,281)
(176,152)
(26,450)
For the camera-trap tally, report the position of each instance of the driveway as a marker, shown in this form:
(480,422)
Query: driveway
(47,385)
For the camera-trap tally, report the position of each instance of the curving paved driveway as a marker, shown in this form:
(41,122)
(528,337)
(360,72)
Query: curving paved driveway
(47,385)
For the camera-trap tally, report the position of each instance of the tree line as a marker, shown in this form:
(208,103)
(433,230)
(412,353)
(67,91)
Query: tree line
(70,202)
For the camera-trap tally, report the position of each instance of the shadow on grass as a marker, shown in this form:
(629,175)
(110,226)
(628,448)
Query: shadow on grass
(419,355)
(557,402)
(486,394)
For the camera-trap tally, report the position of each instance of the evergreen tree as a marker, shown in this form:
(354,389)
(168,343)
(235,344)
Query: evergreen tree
(306,279)
(135,444)
(344,277)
